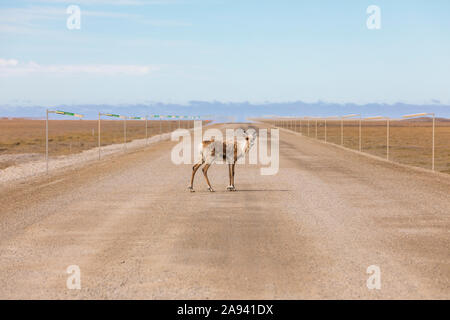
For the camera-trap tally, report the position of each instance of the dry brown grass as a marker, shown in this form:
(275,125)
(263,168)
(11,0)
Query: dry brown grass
(410,141)
(26,136)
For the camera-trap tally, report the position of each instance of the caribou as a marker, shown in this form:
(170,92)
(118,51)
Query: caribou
(229,151)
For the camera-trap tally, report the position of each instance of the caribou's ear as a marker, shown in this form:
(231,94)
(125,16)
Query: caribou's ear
(252,132)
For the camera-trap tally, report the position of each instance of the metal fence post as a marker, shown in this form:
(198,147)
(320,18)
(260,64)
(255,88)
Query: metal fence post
(388,124)
(342,127)
(46,141)
(432,157)
(99,137)
(146,130)
(125,132)
(46,129)
(434,123)
(316,128)
(387,131)
(360,137)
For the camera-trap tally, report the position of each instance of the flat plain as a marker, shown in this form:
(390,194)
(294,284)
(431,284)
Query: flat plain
(24,139)
(410,142)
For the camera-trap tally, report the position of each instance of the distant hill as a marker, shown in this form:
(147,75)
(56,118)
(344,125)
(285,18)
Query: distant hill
(427,119)
(237,111)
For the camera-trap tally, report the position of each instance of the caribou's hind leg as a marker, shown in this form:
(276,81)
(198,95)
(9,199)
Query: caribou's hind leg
(205,173)
(194,170)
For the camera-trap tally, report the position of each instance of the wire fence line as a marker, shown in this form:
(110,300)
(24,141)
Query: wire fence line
(420,140)
(166,123)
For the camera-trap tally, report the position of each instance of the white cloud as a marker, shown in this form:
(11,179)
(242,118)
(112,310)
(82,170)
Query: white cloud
(28,20)
(8,62)
(12,67)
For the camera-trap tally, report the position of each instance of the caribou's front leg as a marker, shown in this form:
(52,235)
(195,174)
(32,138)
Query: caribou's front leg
(230,186)
(232,177)
(205,173)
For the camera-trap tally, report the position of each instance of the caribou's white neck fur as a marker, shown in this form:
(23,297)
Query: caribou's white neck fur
(242,146)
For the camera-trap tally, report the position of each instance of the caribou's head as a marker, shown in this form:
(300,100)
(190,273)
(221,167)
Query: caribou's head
(250,137)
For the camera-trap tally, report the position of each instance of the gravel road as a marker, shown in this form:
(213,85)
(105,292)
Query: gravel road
(311,231)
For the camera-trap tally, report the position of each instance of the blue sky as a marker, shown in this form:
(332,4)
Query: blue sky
(176,51)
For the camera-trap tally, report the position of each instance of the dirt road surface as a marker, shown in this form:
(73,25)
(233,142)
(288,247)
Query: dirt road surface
(310,231)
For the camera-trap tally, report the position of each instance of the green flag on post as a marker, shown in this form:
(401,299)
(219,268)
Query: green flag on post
(65,113)
(112,115)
